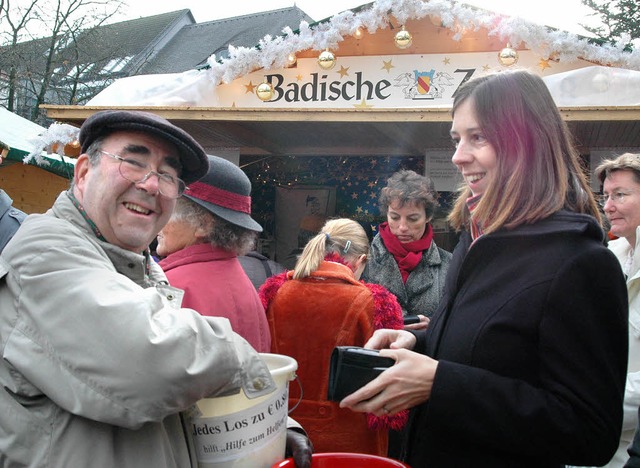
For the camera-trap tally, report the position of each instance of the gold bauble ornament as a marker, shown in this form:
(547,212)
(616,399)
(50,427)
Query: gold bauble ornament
(508,56)
(291,59)
(403,39)
(326,60)
(264,91)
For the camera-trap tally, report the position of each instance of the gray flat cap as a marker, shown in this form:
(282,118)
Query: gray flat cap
(192,156)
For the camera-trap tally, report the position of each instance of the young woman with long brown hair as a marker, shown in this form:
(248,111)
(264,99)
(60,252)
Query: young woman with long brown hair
(524,362)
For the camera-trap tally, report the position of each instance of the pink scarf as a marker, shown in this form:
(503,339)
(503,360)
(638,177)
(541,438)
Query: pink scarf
(407,255)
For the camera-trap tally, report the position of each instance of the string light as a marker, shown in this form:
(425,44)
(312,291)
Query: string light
(435,20)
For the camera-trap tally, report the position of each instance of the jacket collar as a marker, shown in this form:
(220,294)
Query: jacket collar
(562,221)
(194,254)
(331,270)
(140,268)
(622,249)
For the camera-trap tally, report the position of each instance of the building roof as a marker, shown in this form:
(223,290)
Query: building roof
(98,56)
(129,37)
(134,35)
(140,38)
(194,44)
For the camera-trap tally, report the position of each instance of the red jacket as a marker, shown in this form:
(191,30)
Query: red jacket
(307,319)
(215,284)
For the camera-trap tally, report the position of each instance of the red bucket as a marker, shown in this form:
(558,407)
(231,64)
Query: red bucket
(345,460)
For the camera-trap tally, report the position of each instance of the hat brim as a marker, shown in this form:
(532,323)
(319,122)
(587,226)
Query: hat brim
(234,217)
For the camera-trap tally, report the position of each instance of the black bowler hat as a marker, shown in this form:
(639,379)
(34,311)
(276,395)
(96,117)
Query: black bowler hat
(226,192)
(192,156)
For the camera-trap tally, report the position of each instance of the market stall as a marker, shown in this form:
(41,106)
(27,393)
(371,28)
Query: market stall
(345,102)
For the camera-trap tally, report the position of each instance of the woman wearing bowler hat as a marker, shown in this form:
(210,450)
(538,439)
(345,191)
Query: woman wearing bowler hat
(209,228)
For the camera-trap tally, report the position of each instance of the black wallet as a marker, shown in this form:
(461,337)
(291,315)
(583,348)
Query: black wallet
(352,367)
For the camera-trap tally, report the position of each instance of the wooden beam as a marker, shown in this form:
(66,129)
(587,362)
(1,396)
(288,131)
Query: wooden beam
(77,114)
(586,114)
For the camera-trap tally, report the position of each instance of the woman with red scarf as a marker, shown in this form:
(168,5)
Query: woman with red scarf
(404,258)
(317,306)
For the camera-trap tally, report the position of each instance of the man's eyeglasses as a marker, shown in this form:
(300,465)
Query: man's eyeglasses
(618,197)
(138,172)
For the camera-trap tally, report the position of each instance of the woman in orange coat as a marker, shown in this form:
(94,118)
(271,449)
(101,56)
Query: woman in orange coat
(317,306)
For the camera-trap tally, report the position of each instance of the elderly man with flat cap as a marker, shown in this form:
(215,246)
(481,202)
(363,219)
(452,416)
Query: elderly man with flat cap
(99,361)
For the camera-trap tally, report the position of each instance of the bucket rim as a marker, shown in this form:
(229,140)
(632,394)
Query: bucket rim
(344,456)
(286,364)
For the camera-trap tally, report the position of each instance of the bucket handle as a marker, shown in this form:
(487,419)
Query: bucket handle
(297,379)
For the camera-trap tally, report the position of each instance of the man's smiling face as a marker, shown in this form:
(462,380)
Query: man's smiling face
(128,215)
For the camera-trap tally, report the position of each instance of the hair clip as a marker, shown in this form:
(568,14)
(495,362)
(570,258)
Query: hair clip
(346,247)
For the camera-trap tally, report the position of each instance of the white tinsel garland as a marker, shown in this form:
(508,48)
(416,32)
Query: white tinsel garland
(57,135)
(549,43)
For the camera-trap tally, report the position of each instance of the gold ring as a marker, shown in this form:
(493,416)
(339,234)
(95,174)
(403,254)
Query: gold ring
(385,409)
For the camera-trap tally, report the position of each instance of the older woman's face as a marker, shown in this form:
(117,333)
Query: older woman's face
(176,235)
(407,222)
(622,207)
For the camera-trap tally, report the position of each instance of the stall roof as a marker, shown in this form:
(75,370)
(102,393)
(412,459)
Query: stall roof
(308,132)
(19,135)
(189,99)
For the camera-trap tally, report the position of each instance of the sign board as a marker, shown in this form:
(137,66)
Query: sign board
(394,81)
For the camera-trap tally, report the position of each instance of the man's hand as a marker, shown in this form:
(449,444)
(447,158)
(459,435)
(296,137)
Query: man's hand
(299,447)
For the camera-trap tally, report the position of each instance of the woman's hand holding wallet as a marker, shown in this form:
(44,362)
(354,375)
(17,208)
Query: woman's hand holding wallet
(353,367)
(402,386)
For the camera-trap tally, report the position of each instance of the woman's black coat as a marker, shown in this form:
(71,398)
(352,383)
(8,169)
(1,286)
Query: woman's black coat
(531,338)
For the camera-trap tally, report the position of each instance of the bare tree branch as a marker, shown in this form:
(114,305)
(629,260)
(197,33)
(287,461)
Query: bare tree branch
(64,43)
